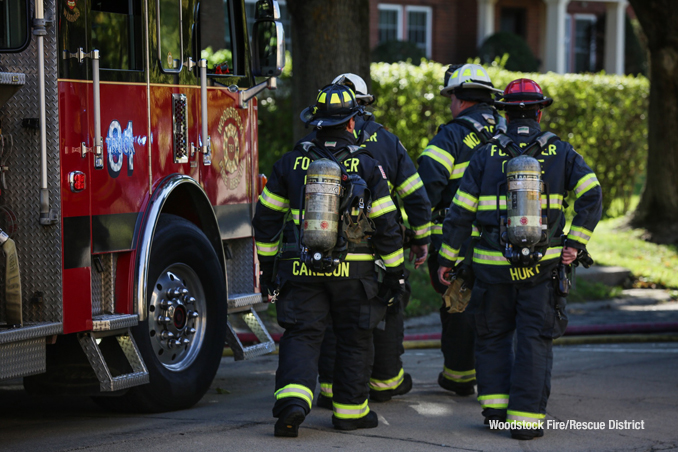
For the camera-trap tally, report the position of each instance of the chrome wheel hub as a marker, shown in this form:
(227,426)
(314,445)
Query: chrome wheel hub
(177,317)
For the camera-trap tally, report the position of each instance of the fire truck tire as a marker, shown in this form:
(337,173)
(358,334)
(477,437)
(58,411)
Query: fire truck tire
(183,337)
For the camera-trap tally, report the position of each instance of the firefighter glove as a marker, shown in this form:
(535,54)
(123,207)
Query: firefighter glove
(266,280)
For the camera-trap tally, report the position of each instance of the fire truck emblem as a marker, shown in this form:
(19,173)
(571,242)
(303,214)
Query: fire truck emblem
(231,166)
(72,13)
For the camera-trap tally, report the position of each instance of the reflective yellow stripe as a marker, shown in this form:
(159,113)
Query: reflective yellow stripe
(490,203)
(359,257)
(475,231)
(267,249)
(466,201)
(394,259)
(524,418)
(441,156)
(579,234)
(489,257)
(273,201)
(448,252)
(556,202)
(326,389)
(293,390)
(347,96)
(422,231)
(334,99)
(585,184)
(390,384)
(382,206)
(459,170)
(410,186)
(436,229)
(295,216)
(321,97)
(458,376)
(499,401)
(553,253)
(343,411)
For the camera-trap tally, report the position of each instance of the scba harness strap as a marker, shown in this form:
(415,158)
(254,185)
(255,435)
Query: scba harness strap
(483,134)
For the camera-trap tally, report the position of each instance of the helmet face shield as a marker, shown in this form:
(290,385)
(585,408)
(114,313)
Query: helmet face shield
(335,105)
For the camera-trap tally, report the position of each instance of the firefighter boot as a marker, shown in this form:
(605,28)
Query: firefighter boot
(384,396)
(527,434)
(289,421)
(370,420)
(462,389)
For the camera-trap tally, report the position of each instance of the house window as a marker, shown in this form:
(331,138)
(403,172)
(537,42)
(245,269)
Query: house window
(583,43)
(414,25)
(419,27)
(513,20)
(250,9)
(390,23)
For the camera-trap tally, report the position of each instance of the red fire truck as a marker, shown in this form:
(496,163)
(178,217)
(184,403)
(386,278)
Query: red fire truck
(128,179)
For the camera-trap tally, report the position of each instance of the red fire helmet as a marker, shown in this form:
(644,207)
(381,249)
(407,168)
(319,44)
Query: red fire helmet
(522,93)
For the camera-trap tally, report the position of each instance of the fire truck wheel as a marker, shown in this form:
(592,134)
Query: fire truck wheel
(182,339)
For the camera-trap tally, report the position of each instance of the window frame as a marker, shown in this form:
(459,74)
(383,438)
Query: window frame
(593,20)
(429,24)
(399,20)
(29,33)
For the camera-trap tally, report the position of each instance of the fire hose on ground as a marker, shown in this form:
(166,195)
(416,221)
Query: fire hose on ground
(574,335)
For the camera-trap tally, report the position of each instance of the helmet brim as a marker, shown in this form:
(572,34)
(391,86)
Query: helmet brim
(519,105)
(308,118)
(447,91)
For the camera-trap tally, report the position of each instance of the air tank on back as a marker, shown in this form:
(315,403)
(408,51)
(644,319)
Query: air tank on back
(321,211)
(523,201)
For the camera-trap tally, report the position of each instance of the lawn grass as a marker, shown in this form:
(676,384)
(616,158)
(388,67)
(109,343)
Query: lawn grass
(613,243)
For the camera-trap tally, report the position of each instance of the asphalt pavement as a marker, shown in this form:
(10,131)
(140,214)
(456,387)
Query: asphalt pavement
(605,397)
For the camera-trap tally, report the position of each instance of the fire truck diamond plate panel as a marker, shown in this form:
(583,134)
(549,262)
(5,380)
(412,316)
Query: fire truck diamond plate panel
(22,358)
(39,247)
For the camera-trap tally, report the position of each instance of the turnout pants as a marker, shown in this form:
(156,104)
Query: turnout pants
(457,338)
(387,370)
(516,385)
(303,310)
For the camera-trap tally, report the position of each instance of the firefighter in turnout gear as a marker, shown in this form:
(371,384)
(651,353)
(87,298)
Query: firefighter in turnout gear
(388,376)
(340,282)
(515,185)
(441,167)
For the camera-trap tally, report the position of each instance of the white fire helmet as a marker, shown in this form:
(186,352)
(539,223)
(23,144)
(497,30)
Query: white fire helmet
(358,85)
(465,77)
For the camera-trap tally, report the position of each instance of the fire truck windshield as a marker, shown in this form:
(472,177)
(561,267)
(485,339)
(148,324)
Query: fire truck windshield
(13,25)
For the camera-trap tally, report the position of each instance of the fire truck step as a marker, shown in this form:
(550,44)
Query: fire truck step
(242,301)
(110,322)
(107,382)
(253,321)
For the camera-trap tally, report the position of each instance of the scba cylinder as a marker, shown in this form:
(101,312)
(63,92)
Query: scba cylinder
(523,224)
(321,211)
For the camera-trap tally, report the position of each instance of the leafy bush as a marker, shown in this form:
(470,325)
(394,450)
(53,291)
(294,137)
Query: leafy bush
(394,51)
(520,58)
(603,116)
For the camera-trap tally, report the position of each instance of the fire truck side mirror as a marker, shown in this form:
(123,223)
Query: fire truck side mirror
(268,43)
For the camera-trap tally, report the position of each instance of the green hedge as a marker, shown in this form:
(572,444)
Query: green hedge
(603,116)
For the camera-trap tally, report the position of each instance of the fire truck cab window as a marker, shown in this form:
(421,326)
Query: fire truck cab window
(13,25)
(169,35)
(216,37)
(116,32)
